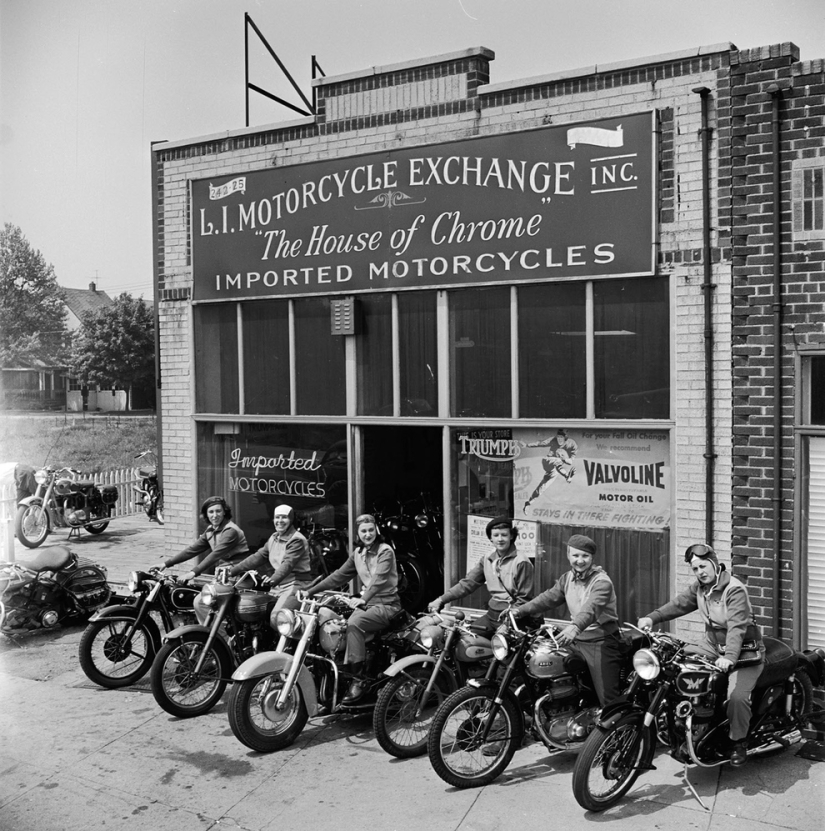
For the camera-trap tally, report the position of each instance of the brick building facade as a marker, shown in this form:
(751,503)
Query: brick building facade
(712,112)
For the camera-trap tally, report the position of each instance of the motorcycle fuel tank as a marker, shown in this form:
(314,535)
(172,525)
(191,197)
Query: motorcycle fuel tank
(545,660)
(474,648)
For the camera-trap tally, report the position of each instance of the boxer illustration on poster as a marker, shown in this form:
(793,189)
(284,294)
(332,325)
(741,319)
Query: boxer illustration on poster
(557,461)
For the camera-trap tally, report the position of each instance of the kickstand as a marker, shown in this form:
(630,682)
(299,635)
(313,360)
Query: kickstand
(692,789)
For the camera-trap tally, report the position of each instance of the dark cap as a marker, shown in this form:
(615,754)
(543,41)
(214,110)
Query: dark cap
(500,520)
(582,543)
(215,500)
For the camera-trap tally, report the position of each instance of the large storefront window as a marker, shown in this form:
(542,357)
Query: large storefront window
(265,465)
(480,353)
(216,358)
(632,348)
(266,357)
(613,485)
(319,360)
(418,370)
(552,351)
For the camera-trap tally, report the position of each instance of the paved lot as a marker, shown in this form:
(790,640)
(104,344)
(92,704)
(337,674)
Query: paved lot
(78,757)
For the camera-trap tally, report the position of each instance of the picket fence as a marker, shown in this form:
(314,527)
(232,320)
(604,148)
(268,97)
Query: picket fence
(124,479)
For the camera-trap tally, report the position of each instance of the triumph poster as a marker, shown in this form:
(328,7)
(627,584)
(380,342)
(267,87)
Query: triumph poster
(601,478)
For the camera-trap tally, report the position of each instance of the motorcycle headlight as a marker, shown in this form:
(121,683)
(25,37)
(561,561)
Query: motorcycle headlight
(40,477)
(500,646)
(646,664)
(209,596)
(422,520)
(288,623)
(133,582)
(432,636)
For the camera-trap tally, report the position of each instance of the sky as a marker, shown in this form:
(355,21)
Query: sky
(86,86)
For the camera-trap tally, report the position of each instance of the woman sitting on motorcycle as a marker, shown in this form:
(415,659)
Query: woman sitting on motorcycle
(373,562)
(507,573)
(223,542)
(284,558)
(726,611)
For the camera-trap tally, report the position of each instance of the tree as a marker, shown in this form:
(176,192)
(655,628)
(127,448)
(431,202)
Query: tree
(115,347)
(32,314)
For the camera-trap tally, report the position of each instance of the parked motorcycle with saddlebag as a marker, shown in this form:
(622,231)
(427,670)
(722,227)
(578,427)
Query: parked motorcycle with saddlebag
(195,663)
(534,687)
(150,496)
(679,697)
(420,683)
(119,645)
(274,693)
(52,586)
(63,500)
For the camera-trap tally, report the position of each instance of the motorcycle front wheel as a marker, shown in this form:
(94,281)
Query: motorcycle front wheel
(458,749)
(399,726)
(180,690)
(31,525)
(115,653)
(610,762)
(254,719)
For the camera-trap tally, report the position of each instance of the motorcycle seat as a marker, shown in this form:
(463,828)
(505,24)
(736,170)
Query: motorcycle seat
(49,559)
(147,472)
(780,662)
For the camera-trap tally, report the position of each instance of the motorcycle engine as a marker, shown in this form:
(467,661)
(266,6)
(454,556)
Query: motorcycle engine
(34,606)
(332,631)
(564,725)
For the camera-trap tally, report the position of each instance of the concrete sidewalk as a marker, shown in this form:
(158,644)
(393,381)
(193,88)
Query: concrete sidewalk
(79,757)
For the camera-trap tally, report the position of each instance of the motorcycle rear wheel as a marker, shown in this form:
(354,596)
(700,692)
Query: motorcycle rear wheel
(31,525)
(251,713)
(111,658)
(455,746)
(97,527)
(610,761)
(176,687)
(394,720)
(412,584)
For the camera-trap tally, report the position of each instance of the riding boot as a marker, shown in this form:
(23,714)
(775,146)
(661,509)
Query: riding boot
(358,684)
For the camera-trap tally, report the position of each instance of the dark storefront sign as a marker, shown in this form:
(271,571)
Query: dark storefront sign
(557,202)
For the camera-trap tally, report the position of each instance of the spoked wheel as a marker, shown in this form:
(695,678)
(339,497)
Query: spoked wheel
(610,762)
(460,752)
(31,525)
(177,687)
(401,719)
(159,511)
(254,718)
(115,653)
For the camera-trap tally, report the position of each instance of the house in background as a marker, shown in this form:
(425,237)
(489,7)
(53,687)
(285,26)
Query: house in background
(78,398)
(38,385)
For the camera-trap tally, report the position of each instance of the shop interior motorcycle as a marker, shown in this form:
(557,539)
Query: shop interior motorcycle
(679,697)
(420,683)
(53,586)
(534,687)
(274,693)
(63,500)
(193,667)
(413,529)
(118,646)
(150,496)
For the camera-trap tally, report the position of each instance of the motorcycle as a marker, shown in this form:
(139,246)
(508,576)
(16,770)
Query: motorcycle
(534,686)
(150,494)
(195,663)
(63,500)
(419,553)
(274,693)
(118,646)
(53,586)
(679,698)
(420,683)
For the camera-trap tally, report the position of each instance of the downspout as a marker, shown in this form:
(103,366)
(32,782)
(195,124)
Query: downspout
(776,98)
(155,171)
(707,288)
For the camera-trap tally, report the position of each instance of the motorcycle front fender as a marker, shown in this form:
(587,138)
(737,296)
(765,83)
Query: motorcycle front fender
(616,710)
(31,500)
(399,666)
(124,613)
(186,629)
(272,663)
